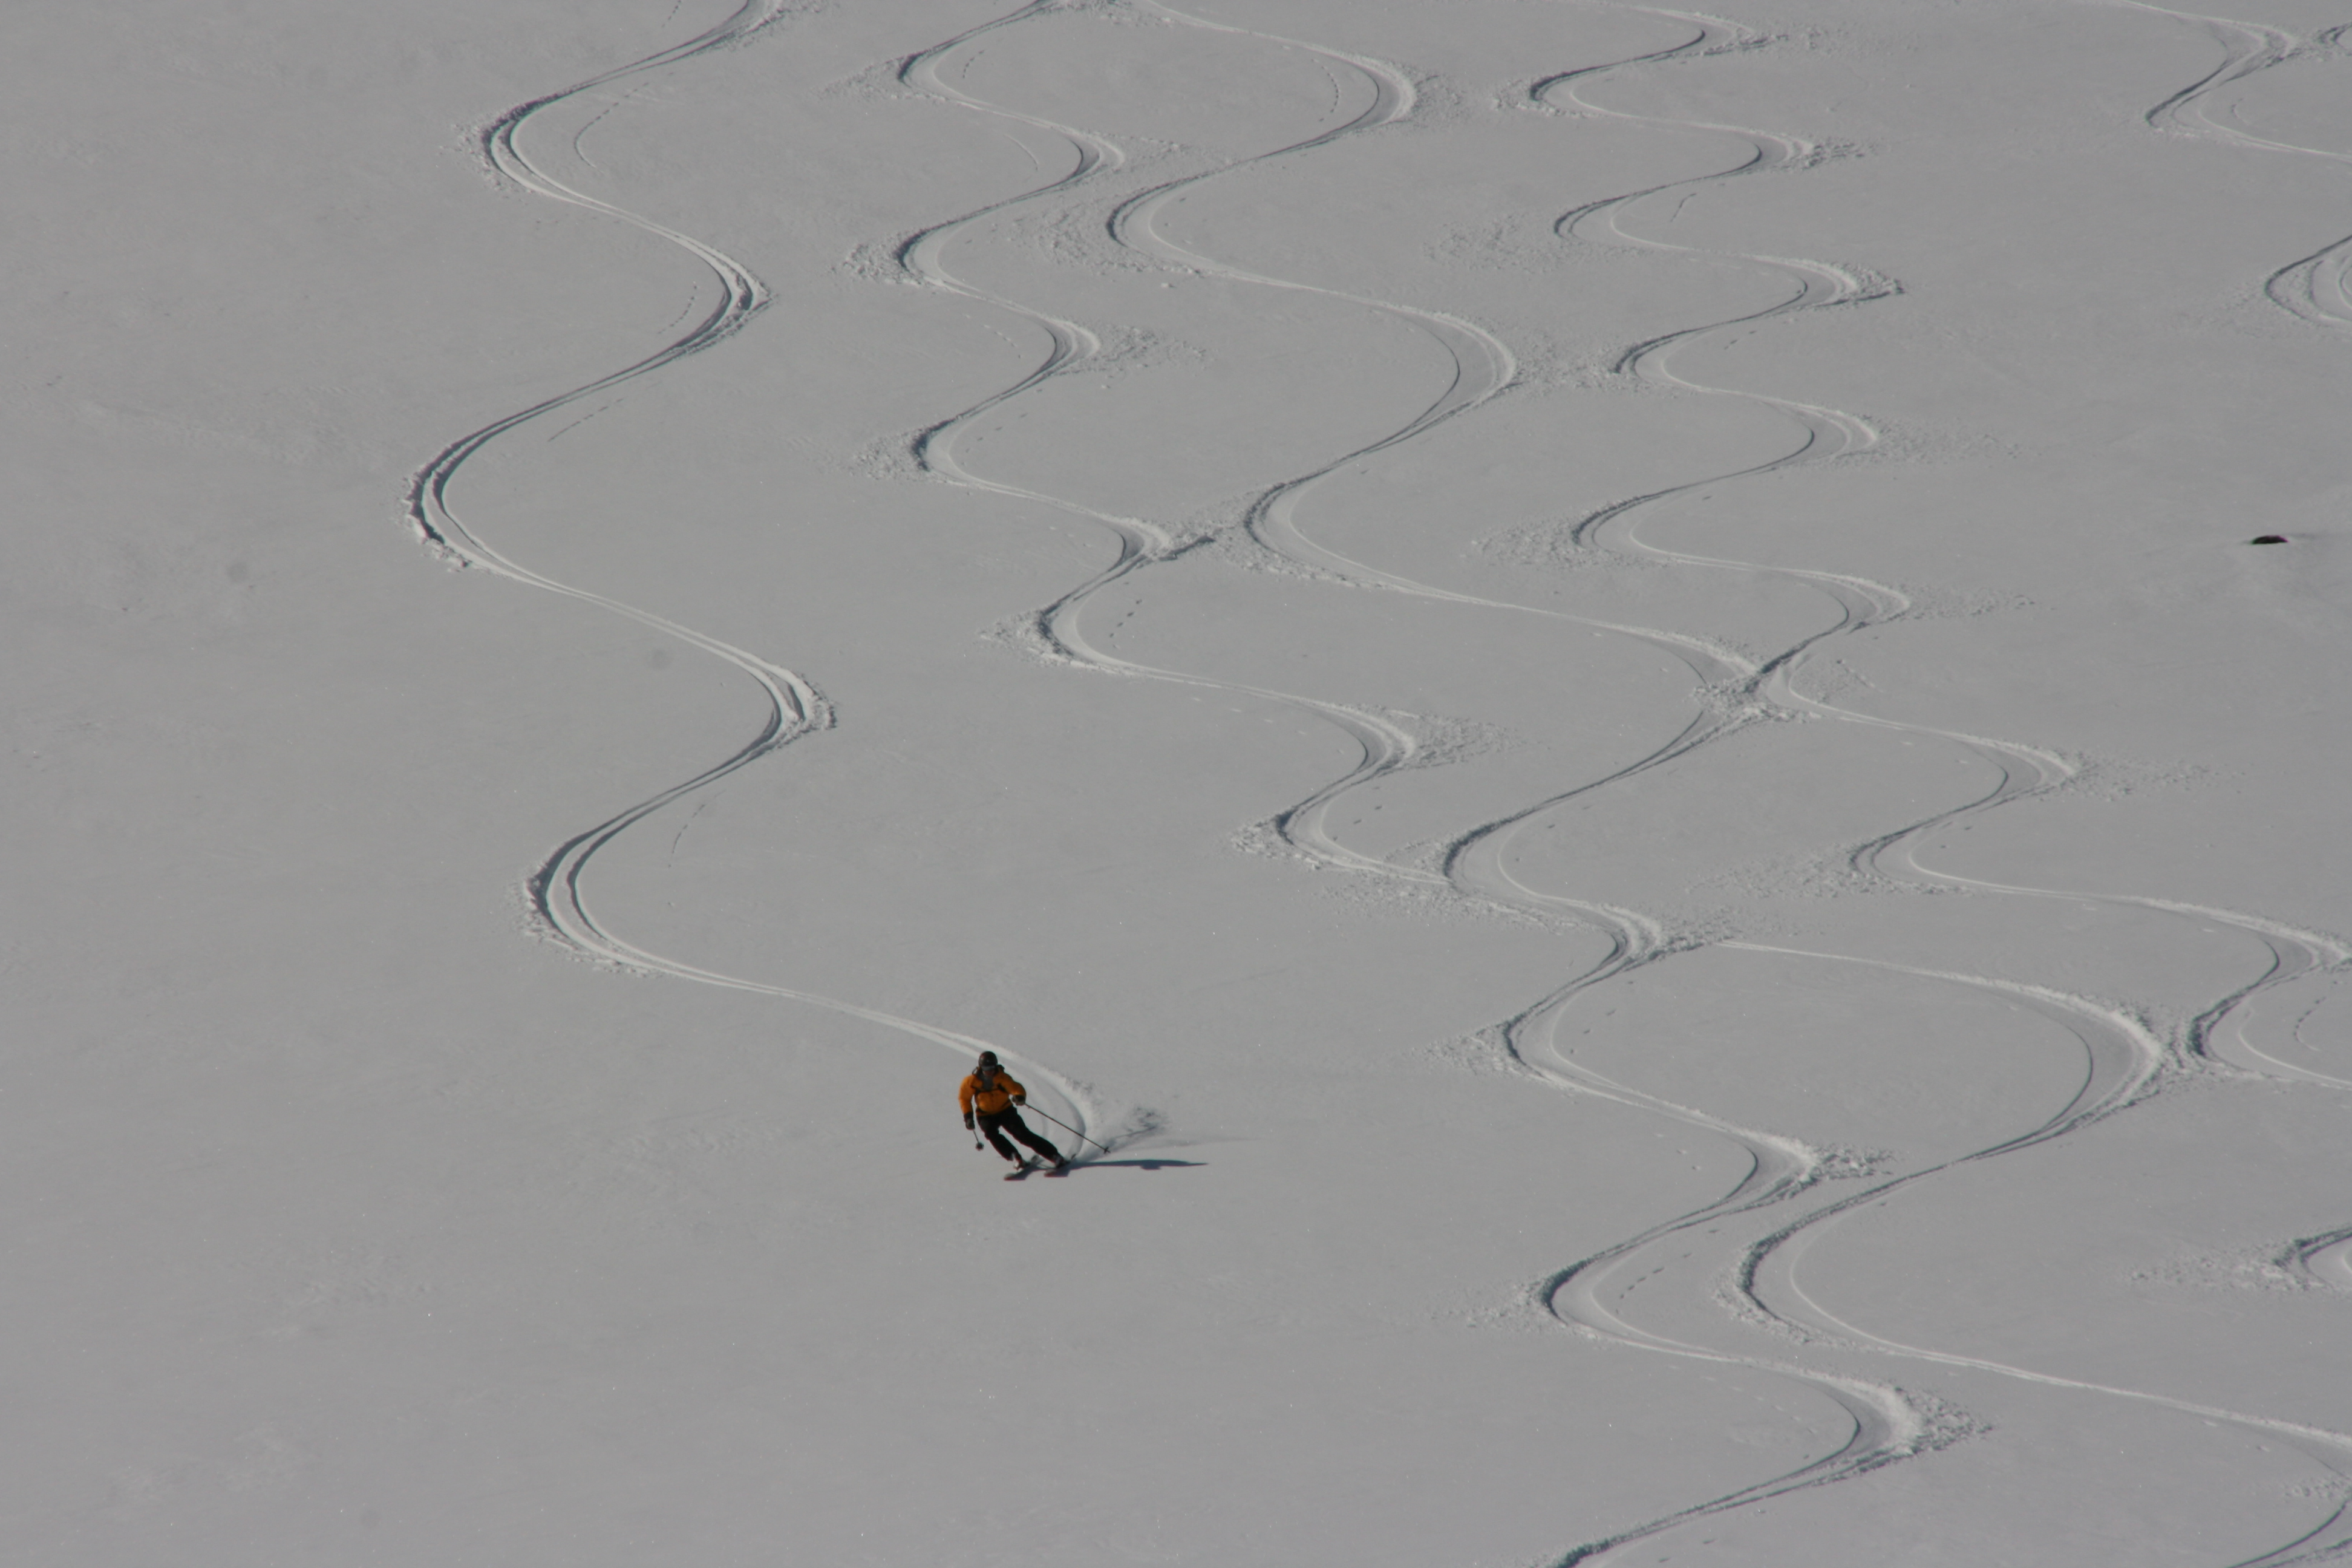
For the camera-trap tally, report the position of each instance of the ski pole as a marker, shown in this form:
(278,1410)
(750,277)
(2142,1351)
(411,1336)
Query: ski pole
(1065,1126)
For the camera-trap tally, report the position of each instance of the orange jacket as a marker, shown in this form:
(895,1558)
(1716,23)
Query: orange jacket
(991,1101)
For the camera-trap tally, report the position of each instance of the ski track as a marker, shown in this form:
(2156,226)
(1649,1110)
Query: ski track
(2128,1061)
(557,904)
(2317,288)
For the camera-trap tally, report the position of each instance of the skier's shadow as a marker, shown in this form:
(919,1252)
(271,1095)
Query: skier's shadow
(1138,1164)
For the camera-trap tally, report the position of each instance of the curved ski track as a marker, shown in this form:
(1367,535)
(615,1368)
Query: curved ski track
(2318,288)
(795,708)
(2128,1060)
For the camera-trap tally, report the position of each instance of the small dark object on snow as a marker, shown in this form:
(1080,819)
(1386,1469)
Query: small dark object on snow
(2268,539)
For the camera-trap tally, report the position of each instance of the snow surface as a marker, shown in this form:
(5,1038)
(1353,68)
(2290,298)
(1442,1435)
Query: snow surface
(1590,679)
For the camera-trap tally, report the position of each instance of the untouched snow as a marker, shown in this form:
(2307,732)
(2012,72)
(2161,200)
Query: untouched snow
(1590,679)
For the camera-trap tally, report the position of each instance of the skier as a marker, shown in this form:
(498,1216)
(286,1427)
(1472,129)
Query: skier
(993,1095)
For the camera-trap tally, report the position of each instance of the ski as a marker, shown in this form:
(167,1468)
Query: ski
(1019,1172)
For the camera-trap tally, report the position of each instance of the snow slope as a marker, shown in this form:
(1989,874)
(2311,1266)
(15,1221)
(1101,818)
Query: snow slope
(1589,682)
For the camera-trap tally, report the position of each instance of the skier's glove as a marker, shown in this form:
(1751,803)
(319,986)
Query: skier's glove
(967,1124)
(1020,1099)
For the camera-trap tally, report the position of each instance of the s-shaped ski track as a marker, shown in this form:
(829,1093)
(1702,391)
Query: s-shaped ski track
(1483,369)
(795,708)
(1888,1425)
(2317,288)
(2127,1059)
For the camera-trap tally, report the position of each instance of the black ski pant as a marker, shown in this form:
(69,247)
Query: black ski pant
(1009,1121)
